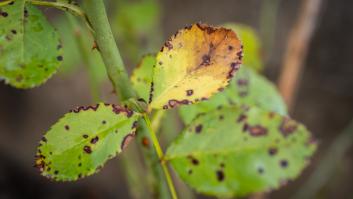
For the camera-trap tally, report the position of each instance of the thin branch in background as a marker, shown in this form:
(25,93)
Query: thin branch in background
(328,165)
(297,48)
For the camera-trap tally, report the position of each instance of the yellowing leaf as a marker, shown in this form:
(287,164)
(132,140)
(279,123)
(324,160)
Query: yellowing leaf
(246,88)
(194,64)
(252,45)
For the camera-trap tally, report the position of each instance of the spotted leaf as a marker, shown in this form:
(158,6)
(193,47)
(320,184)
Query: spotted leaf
(141,77)
(194,64)
(30,50)
(83,140)
(239,151)
(247,87)
(252,45)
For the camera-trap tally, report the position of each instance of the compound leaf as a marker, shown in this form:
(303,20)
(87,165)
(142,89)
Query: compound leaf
(30,50)
(252,45)
(238,151)
(141,77)
(247,87)
(195,63)
(83,140)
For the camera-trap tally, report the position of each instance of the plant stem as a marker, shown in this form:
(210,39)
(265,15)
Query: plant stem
(297,49)
(98,19)
(160,154)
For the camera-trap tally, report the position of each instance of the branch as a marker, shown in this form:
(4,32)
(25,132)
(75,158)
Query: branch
(297,48)
(109,51)
(98,20)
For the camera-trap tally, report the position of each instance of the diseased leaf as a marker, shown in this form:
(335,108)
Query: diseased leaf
(83,140)
(238,151)
(30,50)
(194,64)
(247,87)
(252,45)
(141,77)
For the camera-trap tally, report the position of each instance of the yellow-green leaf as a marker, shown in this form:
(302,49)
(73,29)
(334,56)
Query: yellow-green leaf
(83,140)
(238,151)
(141,77)
(195,63)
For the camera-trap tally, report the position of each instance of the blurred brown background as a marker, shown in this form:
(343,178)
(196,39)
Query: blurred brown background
(324,102)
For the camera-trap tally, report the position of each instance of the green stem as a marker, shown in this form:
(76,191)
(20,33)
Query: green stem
(116,71)
(103,35)
(160,154)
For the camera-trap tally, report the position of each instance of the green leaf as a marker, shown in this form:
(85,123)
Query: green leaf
(247,87)
(136,25)
(238,151)
(83,140)
(195,63)
(252,45)
(30,50)
(141,77)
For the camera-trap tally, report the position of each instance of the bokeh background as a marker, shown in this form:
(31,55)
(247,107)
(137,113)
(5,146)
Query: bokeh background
(324,101)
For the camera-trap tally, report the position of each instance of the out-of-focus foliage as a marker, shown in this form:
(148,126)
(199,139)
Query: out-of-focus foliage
(136,25)
(246,88)
(30,50)
(251,43)
(237,151)
(195,63)
(83,140)
(71,46)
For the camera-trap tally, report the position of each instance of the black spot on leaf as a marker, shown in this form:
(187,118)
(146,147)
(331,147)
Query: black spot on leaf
(220,175)
(59,58)
(257,130)
(189,92)
(94,140)
(198,128)
(241,118)
(87,149)
(272,151)
(288,126)
(283,163)
(193,160)
(67,127)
